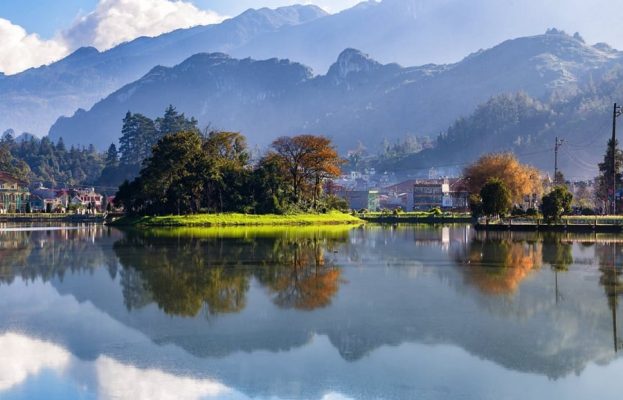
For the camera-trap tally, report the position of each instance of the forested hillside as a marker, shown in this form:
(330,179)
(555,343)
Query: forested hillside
(528,127)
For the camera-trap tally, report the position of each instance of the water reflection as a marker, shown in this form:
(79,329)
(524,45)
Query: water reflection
(197,302)
(497,264)
(184,275)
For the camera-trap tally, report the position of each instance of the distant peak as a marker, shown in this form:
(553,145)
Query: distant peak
(554,31)
(202,58)
(352,60)
(84,52)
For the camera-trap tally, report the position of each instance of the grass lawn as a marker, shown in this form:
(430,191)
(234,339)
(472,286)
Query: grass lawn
(332,218)
(417,214)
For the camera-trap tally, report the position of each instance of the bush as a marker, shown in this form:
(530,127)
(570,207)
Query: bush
(475,205)
(556,203)
(435,211)
(587,211)
(332,202)
(518,212)
(532,212)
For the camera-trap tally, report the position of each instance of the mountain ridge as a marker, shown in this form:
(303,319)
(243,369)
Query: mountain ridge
(358,99)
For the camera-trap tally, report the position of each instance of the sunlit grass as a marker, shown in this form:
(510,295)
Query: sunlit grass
(332,218)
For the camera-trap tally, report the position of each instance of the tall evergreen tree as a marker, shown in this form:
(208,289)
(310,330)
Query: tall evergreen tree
(112,156)
(173,122)
(606,174)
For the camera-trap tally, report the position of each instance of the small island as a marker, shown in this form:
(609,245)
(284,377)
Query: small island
(210,179)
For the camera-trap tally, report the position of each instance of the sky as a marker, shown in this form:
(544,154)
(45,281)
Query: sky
(37,32)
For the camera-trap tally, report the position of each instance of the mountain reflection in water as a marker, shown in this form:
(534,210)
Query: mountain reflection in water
(540,304)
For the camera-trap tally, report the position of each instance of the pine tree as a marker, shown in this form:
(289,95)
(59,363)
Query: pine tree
(604,180)
(112,156)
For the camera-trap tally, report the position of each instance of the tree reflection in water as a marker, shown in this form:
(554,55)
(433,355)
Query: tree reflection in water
(610,260)
(496,264)
(185,273)
(300,276)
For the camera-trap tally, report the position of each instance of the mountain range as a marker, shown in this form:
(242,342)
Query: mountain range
(32,100)
(227,75)
(358,99)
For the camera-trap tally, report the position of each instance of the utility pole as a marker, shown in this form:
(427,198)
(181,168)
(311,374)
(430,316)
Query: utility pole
(618,110)
(556,146)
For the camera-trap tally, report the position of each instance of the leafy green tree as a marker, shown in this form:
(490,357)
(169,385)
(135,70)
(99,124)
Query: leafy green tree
(171,176)
(496,198)
(11,165)
(556,203)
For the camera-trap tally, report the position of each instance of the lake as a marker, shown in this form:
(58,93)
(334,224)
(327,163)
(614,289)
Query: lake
(327,313)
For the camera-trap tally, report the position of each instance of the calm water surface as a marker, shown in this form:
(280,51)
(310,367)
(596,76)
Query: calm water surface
(309,313)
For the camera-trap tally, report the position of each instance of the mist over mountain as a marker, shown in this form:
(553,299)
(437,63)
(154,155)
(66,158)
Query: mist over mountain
(32,100)
(408,32)
(359,99)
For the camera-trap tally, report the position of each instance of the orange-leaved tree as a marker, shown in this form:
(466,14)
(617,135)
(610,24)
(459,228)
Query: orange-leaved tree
(307,161)
(521,180)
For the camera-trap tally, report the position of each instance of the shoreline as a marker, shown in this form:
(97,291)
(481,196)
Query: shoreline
(233,219)
(579,228)
(71,218)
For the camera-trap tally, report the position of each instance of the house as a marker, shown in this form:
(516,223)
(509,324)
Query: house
(361,199)
(49,200)
(14,194)
(448,194)
(429,193)
(86,198)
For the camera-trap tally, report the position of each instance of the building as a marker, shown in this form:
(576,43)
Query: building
(86,198)
(399,195)
(14,194)
(361,199)
(447,194)
(429,193)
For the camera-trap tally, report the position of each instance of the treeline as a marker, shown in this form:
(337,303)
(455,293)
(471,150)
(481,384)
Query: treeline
(189,172)
(51,163)
(139,134)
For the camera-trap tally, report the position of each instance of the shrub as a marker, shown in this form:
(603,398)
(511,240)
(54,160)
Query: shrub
(556,203)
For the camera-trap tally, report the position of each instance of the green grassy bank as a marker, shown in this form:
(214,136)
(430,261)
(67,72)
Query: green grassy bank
(332,218)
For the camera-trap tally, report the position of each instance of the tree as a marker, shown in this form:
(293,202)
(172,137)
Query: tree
(520,179)
(9,164)
(138,135)
(307,161)
(170,175)
(112,156)
(174,122)
(226,172)
(556,203)
(496,198)
(604,182)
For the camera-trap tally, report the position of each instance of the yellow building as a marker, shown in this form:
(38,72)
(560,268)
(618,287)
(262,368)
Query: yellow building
(14,195)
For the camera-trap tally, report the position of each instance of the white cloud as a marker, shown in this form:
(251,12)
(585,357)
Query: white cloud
(117,21)
(20,50)
(112,22)
(22,357)
(120,381)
